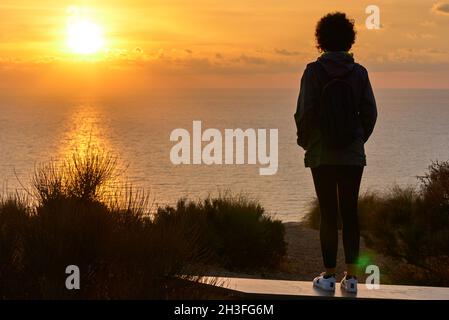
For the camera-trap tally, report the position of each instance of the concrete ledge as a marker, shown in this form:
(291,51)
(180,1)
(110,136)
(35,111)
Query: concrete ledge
(277,289)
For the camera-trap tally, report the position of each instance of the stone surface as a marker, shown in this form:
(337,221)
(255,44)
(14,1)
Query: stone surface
(304,289)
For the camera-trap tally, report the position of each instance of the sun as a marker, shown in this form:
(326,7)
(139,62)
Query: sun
(84,36)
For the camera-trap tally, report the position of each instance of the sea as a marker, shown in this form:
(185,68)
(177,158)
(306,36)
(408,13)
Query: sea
(412,131)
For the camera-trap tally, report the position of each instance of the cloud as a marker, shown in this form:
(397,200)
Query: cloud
(428,24)
(248,59)
(168,62)
(408,60)
(419,56)
(441,8)
(285,52)
(418,36)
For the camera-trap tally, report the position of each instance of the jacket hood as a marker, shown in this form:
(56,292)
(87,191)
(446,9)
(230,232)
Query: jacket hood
(337,64)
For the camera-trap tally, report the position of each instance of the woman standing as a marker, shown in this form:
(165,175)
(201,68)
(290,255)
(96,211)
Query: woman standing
(335,116)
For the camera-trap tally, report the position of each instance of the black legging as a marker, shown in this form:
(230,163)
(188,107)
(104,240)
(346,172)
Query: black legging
(337,186)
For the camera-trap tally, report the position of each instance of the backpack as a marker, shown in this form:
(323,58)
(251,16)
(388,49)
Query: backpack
(338,115)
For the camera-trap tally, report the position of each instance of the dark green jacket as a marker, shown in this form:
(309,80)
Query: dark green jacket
(309,137)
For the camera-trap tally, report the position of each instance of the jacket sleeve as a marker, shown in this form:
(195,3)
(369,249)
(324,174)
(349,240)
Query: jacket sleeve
(368,109)
(303,108)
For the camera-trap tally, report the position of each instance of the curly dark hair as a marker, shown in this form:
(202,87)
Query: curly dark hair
(335,32)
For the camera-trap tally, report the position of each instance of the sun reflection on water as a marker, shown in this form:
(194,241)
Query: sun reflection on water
(87,128)
(87,141)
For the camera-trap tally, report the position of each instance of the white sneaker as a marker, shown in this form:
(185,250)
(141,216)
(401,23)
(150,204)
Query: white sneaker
(326,284)
(349,285)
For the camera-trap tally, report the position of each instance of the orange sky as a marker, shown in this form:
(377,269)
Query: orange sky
(204,43)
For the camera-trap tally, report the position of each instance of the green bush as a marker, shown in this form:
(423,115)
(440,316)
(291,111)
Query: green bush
(14,226)
(367,203)
(80,216)
(237,232)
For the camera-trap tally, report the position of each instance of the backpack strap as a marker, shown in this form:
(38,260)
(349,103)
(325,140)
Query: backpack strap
(321,76)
